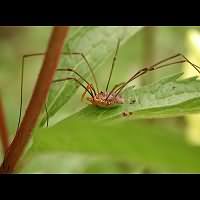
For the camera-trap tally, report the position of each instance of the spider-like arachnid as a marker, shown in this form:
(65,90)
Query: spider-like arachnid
(112,98)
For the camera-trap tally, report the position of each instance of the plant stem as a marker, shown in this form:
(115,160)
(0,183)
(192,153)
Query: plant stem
(3,128)
(37,101)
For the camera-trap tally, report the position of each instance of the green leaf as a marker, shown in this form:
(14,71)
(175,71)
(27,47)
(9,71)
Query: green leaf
(153,146)
(168,97)
(97,44)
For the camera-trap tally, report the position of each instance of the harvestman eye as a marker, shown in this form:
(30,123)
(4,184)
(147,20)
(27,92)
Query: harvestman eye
(104,98)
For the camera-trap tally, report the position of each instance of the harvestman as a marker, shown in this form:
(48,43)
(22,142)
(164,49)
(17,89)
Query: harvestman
(106,99)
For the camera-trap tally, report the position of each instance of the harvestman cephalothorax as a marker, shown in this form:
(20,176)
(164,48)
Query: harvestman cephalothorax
(106,99)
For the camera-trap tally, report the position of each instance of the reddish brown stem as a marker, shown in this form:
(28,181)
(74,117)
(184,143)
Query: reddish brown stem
(37,101)
(3,128)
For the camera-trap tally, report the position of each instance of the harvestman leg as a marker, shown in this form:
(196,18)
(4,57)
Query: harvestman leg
(90,88)
(41,54)
(72,70)
(47,115)
(64,79)
(143,71)
(71,78)
(114,88)
(111,71)
(157,66)
(112,67)
(113,63)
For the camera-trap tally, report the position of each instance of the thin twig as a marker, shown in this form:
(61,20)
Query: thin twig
(37,101)
(3,128)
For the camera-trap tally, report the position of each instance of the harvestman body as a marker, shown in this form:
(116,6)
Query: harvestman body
(107,99)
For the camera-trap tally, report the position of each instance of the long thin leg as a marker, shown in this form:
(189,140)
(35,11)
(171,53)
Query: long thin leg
(70,78)
(116,86)
(72,70)
(113,63)
(59,80)
(144,71)
(93,75)
(169,58)
(21,92)
(47,115)
(90,88)
(157,66)
(41,54)
(118,90)
(70,53)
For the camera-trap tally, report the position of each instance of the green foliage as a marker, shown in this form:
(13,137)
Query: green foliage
(165,98)
(168,97)
(151,146)
(90,140)
(97,44)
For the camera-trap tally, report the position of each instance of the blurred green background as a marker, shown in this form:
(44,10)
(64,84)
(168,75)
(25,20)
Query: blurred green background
(149,45)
